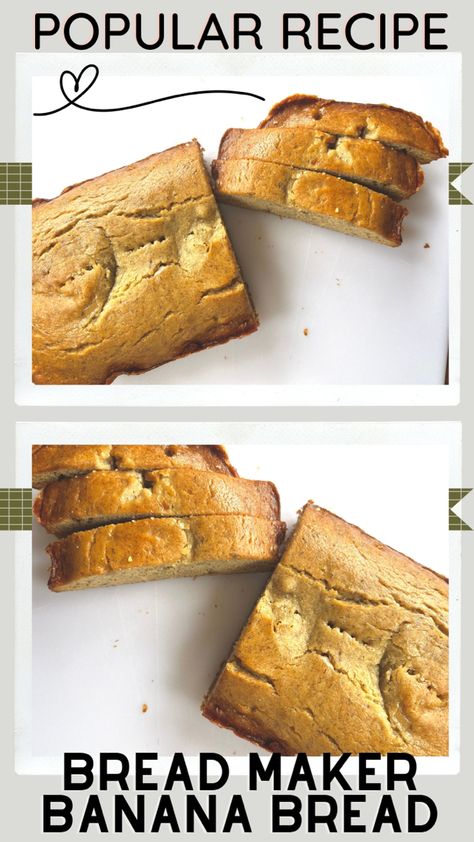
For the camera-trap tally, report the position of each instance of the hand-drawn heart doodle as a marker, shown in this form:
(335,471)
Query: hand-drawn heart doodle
(79,91)
(77,82)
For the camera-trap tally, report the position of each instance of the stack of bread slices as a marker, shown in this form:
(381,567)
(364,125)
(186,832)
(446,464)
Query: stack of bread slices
(340,165)
(134,513)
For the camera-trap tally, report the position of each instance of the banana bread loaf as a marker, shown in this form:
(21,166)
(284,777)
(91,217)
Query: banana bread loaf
(346,650)
(159,548)
(101,497)
(54,461)
(392,126)
(311,197)
(131,270)
(367,162)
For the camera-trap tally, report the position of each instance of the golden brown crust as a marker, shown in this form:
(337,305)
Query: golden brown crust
(101,497)
(158,548)
(392,126)
(311,197)
(365,161)
(346,650)
(51,462)
(131,270)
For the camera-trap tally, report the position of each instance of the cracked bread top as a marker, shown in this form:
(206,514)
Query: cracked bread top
(346,650)
(366,161)
(385,123)
(162,548)
(101,497)
(133,269)
(54,461)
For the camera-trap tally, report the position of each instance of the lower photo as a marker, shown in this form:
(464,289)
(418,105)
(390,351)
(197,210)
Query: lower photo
(287,598)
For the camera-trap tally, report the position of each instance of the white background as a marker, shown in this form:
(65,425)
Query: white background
(99,655)
(375,316)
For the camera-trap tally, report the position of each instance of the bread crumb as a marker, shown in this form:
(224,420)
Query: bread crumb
(426,246)
(130,558)
(144,708)
(306,331)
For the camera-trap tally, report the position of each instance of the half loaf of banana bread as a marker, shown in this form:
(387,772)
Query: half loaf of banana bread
(131,270)
(346,650)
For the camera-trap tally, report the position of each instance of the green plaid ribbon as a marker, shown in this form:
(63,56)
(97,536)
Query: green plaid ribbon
(455,522)
(455,196)
(15,509)
(15,184)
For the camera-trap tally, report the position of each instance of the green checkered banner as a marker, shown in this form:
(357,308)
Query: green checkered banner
(455,196)
(15,509)
(15,184)
(455,522)
(16,515)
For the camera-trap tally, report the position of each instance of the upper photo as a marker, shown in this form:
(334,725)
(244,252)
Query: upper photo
(255,238)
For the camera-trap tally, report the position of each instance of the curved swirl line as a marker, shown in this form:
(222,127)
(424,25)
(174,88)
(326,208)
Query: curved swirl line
(74,100)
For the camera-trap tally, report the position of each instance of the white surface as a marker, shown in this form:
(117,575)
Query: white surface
(375,315)
(98,656)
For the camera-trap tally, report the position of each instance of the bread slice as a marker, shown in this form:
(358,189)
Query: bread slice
(392,126)
(55,461)
(101,497)
(367,162)
(346,650)
(163,548)
(311,197)
(131,270)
